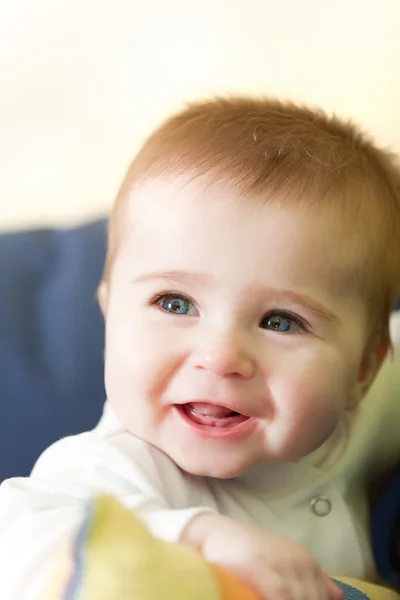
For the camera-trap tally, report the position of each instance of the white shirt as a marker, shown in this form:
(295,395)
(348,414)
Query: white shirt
(37,513)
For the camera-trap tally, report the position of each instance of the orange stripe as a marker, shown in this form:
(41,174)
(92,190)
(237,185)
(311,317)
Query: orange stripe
(230,587)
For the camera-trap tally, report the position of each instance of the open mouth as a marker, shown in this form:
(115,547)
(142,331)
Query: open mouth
(210,420)
(211,415)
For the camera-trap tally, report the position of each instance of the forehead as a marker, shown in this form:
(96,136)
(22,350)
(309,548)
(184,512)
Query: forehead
(197,227)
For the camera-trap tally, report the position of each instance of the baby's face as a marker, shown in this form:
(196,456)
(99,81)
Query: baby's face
(233,334)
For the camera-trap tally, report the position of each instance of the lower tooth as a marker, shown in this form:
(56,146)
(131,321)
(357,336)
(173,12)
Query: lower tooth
(195,412)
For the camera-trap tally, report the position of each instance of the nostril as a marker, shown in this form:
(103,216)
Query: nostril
(226,365)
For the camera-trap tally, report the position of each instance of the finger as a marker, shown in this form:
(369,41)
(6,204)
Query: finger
(334,591)
(276,587)
(317,590)
(314,586)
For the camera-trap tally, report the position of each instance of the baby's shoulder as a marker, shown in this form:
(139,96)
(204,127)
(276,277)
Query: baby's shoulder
(107,457)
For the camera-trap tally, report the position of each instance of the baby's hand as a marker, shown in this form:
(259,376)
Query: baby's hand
(275,567)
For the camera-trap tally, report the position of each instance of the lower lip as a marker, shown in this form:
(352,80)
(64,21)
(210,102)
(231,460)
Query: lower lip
(209,431)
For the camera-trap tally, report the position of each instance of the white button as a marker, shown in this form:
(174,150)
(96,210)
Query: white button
(321,506)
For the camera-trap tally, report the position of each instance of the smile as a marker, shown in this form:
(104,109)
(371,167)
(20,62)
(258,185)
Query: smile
(210,420)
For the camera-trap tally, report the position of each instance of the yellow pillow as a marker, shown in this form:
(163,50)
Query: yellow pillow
(115,557)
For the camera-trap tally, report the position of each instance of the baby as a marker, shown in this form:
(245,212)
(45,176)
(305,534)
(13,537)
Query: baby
(253,263)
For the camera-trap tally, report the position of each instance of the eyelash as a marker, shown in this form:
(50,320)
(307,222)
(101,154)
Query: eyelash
(158,297)
(302,324)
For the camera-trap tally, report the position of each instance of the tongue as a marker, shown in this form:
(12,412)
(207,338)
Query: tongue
(210,410)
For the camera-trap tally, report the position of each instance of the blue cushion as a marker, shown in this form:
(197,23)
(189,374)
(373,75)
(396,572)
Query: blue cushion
(385,533)
(51,340)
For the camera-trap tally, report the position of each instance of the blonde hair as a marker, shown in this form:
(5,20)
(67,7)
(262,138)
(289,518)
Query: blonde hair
(264,146)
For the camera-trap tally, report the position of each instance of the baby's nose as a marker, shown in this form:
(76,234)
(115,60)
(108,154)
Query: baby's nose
(225,356)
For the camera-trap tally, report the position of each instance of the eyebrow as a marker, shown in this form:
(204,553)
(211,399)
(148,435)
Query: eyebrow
(308,304)
(177,276)
(193,277)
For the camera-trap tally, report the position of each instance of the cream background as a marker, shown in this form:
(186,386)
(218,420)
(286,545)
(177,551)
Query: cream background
(83,81)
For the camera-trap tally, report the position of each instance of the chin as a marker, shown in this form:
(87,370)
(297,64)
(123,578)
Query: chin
(211,469)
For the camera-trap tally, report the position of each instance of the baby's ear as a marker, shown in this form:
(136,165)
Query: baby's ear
(372,361)
(102,297)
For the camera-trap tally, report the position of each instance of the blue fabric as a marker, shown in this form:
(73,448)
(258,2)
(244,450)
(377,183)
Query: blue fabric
(350,592)
(51,340)
(385,531)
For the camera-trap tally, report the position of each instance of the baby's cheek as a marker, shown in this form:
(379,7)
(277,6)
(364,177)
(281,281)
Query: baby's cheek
(312,396)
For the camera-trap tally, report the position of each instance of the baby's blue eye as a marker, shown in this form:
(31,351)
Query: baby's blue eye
(177,305)
(282,323)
